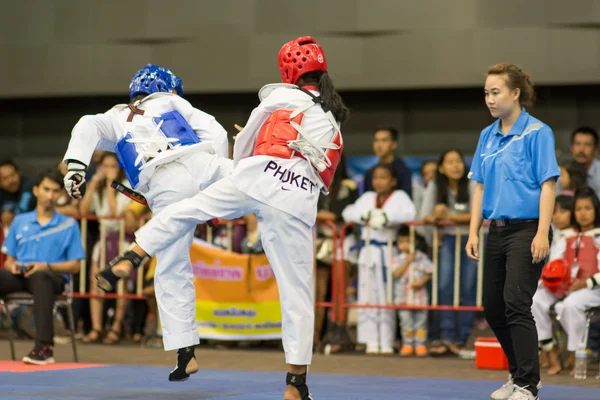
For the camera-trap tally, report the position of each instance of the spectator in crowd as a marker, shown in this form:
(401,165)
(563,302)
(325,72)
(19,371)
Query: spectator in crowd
(103,201)
(385,141)
(419,184)
(41,247)
(573,177)
(16,195)
(382,211)
(448,199)
(545,297)
(136,214)
(582,248)
(342,193)
(584,147)
(412,271)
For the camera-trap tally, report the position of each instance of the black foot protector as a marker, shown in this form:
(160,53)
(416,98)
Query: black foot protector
(184,356)
(107,279)
(299,382)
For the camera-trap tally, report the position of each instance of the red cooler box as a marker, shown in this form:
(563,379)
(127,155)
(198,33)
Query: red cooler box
(489,354)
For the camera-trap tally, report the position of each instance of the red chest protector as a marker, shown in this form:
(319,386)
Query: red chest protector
(284,127)
(582,249)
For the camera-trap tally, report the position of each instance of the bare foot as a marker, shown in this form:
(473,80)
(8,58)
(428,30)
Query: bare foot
(554,370)
(554,361)
(570,363)
(544,362)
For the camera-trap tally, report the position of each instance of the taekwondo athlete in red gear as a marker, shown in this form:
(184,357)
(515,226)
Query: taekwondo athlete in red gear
(283,158)
(169,151)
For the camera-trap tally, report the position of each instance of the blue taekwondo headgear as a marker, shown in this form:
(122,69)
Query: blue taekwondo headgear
(178,85)
(153,79)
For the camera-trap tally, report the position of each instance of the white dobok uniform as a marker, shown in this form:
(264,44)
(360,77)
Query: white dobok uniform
(281,190)
(377,327)
(169,151)
(571,310)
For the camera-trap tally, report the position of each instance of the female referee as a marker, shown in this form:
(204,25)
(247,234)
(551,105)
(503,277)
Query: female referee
(516,170)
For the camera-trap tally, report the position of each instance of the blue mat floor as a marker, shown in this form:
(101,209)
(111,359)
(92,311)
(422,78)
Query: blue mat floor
(145,383)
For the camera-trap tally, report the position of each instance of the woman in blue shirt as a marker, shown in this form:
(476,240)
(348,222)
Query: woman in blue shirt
(515,169)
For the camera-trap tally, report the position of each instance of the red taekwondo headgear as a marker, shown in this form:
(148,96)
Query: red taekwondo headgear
(556,276)
(299,57)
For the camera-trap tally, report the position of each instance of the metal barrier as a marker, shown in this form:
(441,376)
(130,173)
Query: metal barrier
(338,304)
(83,293)
(435,273)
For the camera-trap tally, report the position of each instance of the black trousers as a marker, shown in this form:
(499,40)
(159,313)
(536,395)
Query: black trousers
(44,286)
(510,280)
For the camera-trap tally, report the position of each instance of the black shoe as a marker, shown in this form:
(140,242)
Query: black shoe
(184,356)
(41,354)
(299,382)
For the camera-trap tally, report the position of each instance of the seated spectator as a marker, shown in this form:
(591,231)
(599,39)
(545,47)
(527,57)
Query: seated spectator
(16,195)
(544,298)
(41,247)
(582,252)
(448,199)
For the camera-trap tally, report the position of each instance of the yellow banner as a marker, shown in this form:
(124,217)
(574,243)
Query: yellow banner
(236,295)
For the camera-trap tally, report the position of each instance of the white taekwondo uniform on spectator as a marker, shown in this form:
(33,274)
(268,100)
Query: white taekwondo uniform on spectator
(165,178)
(376,327)
(543,298)
(571,310)
(283,193)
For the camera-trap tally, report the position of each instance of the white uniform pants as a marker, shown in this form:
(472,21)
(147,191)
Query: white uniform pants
(287,241)
(542,301)
(376,326)
(173,278)
(571,312)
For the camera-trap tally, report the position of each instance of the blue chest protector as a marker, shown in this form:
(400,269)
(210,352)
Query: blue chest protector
(173,127)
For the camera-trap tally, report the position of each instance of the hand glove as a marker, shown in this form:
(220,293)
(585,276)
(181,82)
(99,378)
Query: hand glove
(378,219)
(75,179)
(365,216)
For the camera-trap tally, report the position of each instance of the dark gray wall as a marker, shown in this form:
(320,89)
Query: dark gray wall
(80,47)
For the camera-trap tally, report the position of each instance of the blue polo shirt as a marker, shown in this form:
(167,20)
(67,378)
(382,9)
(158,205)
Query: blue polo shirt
(513,167)
(57,241)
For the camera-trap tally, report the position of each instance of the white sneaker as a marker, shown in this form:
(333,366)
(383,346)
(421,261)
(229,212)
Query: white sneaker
(387,350)
(507,390)
(522,394)
(372,348)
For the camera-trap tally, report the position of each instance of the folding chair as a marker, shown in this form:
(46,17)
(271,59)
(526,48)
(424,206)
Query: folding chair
(590,313)
(25,298)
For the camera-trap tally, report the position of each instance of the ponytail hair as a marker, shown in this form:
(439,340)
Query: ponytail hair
(332,101)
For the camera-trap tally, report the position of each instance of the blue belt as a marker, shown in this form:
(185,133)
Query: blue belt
(377,243)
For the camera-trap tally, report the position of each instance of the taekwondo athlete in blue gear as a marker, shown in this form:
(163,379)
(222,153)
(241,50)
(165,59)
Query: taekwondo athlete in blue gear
(170,151)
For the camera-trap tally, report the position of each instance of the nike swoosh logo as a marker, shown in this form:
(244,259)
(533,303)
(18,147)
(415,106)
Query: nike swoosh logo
(287,190)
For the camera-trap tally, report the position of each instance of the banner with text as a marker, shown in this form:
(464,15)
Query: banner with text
(236,295)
